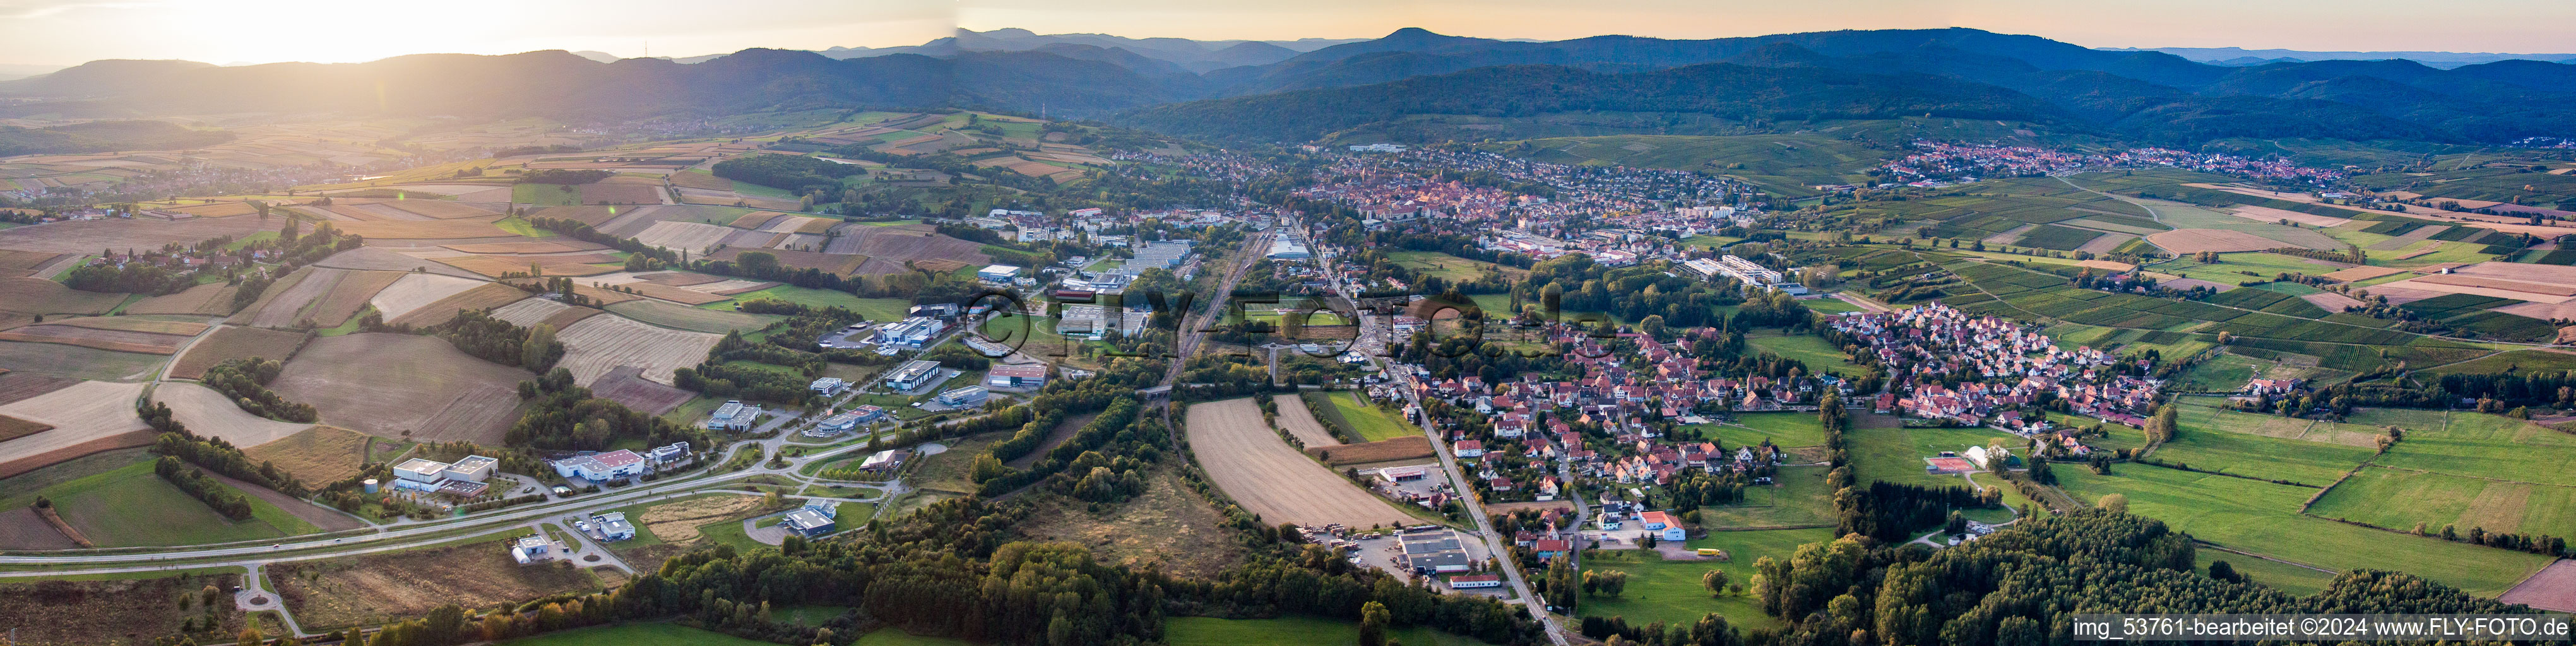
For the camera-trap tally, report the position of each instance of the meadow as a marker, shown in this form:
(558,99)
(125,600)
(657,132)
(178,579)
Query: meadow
(1346,410)
(131,506)
(2262,518)
(2399,498)
(1820,357)
(1447,267)
(1799,500)
(1782,429)
(876,309)
(1289,631)
(1670,591)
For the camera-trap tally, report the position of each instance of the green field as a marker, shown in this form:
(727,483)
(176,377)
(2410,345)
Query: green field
(1345,409)
(2230,268)
(1447,267)
(654,634)
(1670,592)
(1894,454)
(876,309)
(2263,518)
(1287,631)
(130,506)
(2279,576)
(2270,447)
(546,194)
(1799,500)
(1820,357)
(1783,429)
(2483,446)
(2400,498)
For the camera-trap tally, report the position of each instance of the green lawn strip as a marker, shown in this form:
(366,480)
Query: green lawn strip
(1820,357)
(1749,429)
(1798,499)
(1369,422)
(653,634)
(1283,631)
(2262,518)
(1670,591)
(2280,576)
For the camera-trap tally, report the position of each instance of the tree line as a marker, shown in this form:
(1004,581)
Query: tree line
(245,381)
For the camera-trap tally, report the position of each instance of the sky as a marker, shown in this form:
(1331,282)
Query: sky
(64,32)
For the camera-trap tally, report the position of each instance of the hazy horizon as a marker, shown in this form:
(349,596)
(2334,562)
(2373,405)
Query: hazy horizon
(67,32)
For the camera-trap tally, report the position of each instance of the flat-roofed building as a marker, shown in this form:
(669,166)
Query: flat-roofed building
(601,467)
(969,396)
(474,468)
(912,375)
(421,470)
(1027,375)
(612,526)
(1087,321)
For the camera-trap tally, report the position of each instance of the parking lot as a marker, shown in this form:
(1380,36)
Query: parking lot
(850,338)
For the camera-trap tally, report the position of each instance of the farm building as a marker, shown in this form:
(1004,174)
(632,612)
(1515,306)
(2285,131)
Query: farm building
(733,416)
(601,467)
(1030,375)
(998,273)
(612,526)
(1472,581)
(965,397)
(828,386)
(814,520)
(915,332)
(912,375)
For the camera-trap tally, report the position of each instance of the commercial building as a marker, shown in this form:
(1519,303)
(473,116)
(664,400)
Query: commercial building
(915,332)
(967,397)
(846,421)
(814,520)
(1471,581)
(667,453)
(463,478)
(601,467)
(998,273)
(529,550)
(886,461)
(733,416)
(1288,248)
(912,375)
(1087,321)
(828,386)
(1028,375)
(612,526)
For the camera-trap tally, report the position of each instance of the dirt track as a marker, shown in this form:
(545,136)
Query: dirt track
(1248,460)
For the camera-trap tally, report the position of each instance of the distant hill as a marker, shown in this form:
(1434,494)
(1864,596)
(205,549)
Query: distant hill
(105,136)
(2232,56)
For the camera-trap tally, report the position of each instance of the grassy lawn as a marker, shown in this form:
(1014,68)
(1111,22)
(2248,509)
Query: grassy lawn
(1896,454)
(546,194)
(1800,499)
(654,634)
(2477,445)
(1670,592)
(1447,267)
(1820,357)
(132,506)
(1371,423)
(2280,576)
(729,532)
(1783,429)
(2230,268)
(1283,631)
(2400,498)
(2262,518)
(2265,446)
(1829,305)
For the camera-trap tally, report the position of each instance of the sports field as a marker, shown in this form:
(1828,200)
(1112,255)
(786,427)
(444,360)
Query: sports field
(2263,518)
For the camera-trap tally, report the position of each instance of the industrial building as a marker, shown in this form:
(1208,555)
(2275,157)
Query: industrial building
(1288,248)
(733,416)
(998,273)
(912,375)
(814,520)
(967,397)
(601,467)
(915,332)
(463,477)
(1031,375)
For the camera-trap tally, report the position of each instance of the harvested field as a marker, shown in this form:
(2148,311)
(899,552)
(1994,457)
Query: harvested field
(416,290)
(2463,280)
(887,248)
(590,215)
(2552,588)
(602,295)
(40,296)
(235,342)
(127,440)
(487,295)
(440,209)
(674,294)
(1402,448)
(136,324)
(13,428)
(529,311)
(689,179)
(481,227)
(755,220)
(122,611)
(541,246)
(495,266)
(383,259)
(2190,241)
(113,340)
(89,236)
(318,454)
(2106,244)
(380,588)
(830,263)
(1169,526)
(1300,423)
(448,395)
(325,297)
(1274,482)
(2409,239)
(626,385)
(677,522)
(83,412)
(77,362)
(2332,302)
(607,193)
(679,278)
(211,299)
(801,224)
(731,287)
(22,529)
(211,414)
(599,344)
(683,236)
(690,318)
(14,263)
(2361,273)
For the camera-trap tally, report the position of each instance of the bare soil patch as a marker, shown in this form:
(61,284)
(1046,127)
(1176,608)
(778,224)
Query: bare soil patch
(2269,214)
(692,237)
(385,259)
(446,394)
(830,263)
(677,522)
(1402,448)
(599,344)
(606,193)
(495,266)
(2332,302)
(235,342)
(18,386)
(1247,459)
(15,263)
(379,588)
(325,297)
(440,209)
(540,246)
(887,248)
(481,227)
(116,340)
(89,236)
(754,220)
(23,529)
(487,295)
(14,467)
(136,324)
(2465,280)
(673,294)
(626,385)
(2552,588)
(2106,243)
(2189,241)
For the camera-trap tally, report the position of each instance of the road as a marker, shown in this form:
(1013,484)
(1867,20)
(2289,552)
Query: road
(1371,342)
